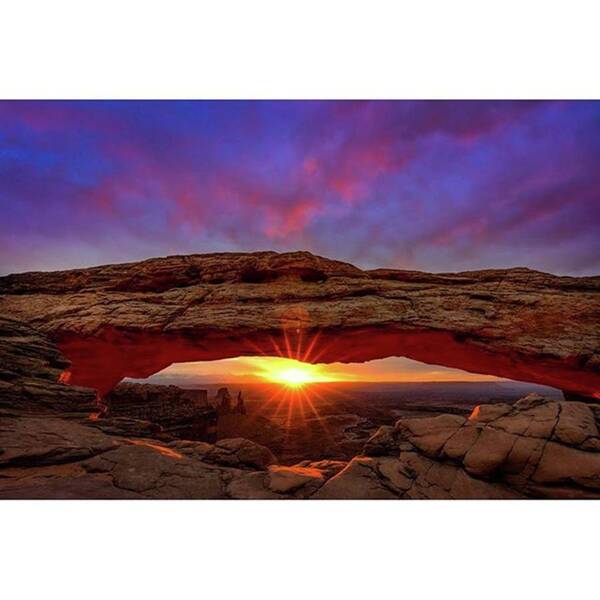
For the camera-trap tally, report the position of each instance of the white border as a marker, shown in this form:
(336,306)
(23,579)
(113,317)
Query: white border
(304,549)
(308,49)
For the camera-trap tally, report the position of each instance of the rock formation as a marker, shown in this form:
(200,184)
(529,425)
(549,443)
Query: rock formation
(135,319)
(534,449)
(240,408)
(223,401)
(31,368)
(92,327)
(178,412)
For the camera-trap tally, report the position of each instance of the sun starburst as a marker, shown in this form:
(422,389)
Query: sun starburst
(297,396)
(292,373)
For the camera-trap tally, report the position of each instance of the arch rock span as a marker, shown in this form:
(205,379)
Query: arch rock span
(132,320)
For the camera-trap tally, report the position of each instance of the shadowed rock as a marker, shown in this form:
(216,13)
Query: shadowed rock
(534,449)
(177,412)
(223,401)
(31,368)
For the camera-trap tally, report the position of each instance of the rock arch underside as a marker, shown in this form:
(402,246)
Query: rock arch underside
(132,320)
(68,338)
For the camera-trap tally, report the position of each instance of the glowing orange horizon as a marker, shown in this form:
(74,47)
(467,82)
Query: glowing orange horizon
(287,371)
(295,370)
(295,365)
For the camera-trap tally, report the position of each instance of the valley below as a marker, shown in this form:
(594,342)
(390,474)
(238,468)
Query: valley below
(335,420)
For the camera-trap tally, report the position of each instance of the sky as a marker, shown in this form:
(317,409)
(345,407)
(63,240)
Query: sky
(435,186)
(427,185)
(268,369)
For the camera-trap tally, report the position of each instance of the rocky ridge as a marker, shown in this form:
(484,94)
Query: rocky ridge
(535,448)
(164,411)
(31,373)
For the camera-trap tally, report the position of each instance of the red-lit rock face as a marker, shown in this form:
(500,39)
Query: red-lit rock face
(136,319)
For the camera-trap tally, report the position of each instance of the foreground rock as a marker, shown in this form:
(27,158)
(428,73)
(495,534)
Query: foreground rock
(57,458)
(54,443)
(534,449)
(135,319)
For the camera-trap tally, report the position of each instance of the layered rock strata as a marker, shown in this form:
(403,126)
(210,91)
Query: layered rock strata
(132,320)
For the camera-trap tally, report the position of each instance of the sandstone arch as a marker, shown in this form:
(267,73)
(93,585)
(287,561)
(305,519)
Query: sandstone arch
(135,319)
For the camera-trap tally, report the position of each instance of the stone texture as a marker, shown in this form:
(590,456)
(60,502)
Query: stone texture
(59,458)
(410,475)
(30,369)
(95,326)
(135,319)
(241,453)
(285,480)
(536,448)
(487,458)
(430,435)
(126,427)
(41,441)
(359,480)
(328,468)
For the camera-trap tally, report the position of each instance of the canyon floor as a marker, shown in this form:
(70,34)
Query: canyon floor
(535,448)
(334,420)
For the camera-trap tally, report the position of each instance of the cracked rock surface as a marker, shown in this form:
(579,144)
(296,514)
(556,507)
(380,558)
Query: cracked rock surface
(98,325)
(535,448)
(30,369)
(59,458)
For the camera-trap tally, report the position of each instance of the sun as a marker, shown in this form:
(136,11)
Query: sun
(293,377)
(292,373)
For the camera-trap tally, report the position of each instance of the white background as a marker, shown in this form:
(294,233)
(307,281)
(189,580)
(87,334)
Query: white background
(308,49)
(304,49)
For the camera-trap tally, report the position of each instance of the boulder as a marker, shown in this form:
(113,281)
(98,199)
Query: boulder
(284,480)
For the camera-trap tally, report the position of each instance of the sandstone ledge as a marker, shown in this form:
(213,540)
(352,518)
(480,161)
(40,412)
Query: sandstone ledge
(534,449)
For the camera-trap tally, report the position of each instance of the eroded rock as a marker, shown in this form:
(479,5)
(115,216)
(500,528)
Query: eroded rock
(30,442)
(58,458)
(135,319)
(31,368)
(483,457)
(536,448)
(175,411)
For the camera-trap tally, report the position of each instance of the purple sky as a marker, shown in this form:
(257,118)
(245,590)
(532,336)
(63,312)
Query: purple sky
(437,186)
